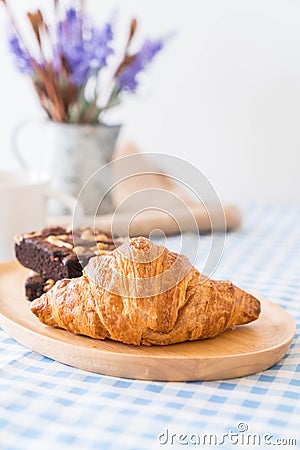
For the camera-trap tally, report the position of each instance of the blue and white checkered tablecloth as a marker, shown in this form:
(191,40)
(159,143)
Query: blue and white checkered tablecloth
(47,405)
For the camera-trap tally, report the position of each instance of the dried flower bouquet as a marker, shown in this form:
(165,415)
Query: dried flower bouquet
(68,58)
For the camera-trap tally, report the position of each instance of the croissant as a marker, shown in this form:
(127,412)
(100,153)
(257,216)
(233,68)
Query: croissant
(142,293)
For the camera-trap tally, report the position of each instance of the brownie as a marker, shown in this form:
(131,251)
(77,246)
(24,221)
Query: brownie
(56,253)
(35,286)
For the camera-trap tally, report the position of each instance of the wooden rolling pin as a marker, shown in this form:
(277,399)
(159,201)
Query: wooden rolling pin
(143,224)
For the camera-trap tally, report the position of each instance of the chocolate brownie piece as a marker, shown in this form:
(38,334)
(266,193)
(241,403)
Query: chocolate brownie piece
(35,286)
(56,253)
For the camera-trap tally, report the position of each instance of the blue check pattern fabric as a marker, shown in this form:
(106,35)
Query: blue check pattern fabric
(46,405)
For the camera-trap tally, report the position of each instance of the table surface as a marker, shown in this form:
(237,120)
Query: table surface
(46,405)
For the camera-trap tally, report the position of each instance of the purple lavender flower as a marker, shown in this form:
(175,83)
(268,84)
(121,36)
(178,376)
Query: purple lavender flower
(71,52)
(71,16)
(21,57)
(127,78)
(100,49)
(84,48)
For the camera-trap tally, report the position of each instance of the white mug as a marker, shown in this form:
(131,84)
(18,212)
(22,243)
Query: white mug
(23,206)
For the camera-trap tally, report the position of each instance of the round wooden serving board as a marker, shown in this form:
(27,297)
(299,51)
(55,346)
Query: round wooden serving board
(247,349)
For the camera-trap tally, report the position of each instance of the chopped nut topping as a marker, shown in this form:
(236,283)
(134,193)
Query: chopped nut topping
(79,250)
(87,235)
(55,241)
(48,285)
(19,237)
(62,237)
(101,245)
(34,233)
(101,237)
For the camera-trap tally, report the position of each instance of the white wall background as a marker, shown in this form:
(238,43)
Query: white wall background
(225,93)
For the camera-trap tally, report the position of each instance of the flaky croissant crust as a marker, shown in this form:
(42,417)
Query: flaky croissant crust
(143,294)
